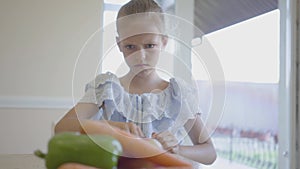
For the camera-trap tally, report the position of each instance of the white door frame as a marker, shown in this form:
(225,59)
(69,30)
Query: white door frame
(182,68)
(288,84)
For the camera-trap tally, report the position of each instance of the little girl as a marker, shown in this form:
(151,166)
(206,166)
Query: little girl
(141,102)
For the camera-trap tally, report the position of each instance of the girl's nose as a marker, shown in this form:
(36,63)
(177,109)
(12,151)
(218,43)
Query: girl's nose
(142,53)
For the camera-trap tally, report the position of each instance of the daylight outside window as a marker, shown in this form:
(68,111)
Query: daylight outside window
(247,135)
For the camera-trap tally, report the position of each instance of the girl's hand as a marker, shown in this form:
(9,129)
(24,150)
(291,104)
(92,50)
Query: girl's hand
(128,127)
(168,141)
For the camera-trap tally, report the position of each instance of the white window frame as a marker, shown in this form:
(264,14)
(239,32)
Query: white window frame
(105,7)
(289,85)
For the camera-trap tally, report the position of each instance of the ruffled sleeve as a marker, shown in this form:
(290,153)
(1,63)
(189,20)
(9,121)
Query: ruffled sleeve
(188,97)
(103,87)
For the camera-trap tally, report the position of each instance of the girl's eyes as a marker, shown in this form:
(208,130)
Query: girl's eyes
(150,45)
(131,47)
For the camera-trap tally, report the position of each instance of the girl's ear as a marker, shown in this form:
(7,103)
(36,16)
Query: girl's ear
(118,42)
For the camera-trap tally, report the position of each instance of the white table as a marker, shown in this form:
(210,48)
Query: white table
(29,161)
(21,161)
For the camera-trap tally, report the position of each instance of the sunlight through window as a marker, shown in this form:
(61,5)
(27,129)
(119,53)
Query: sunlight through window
(248,51)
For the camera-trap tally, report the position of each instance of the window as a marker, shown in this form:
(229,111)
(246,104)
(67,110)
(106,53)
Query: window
(113,56)
(247,134)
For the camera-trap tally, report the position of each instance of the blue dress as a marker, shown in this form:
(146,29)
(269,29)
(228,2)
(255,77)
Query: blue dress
(168,109)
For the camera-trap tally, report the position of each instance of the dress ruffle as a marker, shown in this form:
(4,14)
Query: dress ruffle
(179,101)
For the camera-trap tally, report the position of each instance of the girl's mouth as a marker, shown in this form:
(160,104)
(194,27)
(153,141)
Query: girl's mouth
(142,65)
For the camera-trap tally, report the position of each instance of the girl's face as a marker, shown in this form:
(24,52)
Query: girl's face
(141,42)
(141,52)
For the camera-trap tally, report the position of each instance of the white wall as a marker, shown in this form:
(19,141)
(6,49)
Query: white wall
(39,45)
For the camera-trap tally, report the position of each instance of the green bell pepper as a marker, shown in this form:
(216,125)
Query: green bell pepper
(99,151)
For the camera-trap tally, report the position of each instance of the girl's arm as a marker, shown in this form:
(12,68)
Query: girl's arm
(203,150)
(83,111)
(71,121)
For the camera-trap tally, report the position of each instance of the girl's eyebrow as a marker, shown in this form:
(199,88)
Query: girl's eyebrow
(128,43)
(150,42)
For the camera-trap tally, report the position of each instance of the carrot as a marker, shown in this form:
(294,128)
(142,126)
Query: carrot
(75,166)
(81,166)
(134,147)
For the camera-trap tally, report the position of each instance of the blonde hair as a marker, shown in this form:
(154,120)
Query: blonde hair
(148,7)
(139,6)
